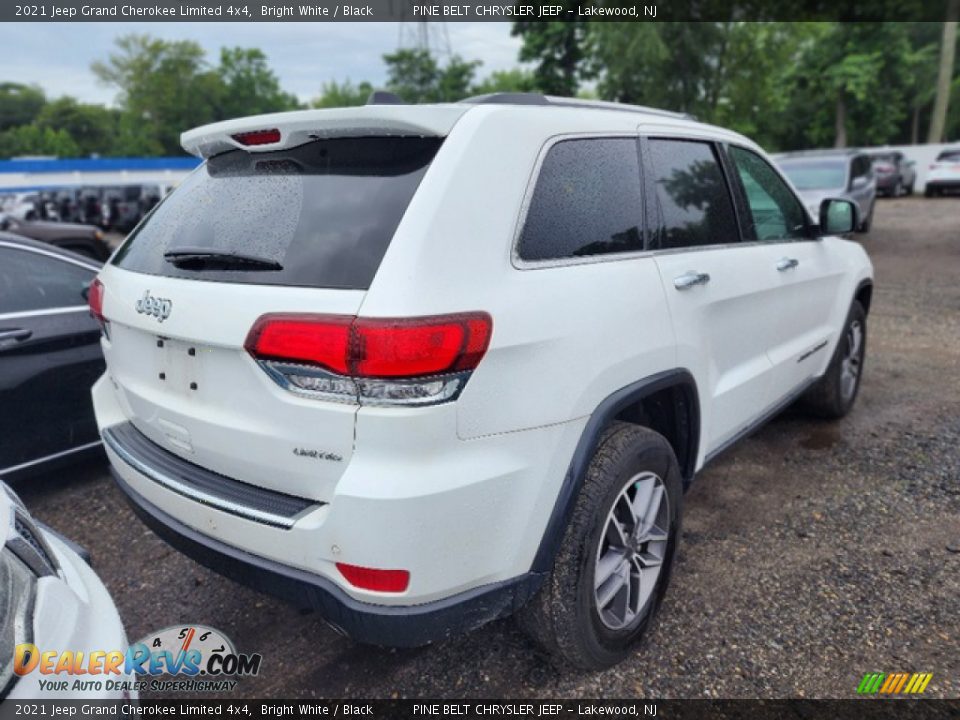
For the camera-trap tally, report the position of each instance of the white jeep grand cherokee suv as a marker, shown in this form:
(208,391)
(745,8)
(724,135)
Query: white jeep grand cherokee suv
(423,366)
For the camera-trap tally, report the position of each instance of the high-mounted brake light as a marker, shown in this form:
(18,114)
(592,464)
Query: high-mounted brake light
(258,137)
(95,300)
(412,361)
(395,581)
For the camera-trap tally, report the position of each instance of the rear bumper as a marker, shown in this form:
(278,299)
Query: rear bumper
(946,184)
(887,182)
(395,626)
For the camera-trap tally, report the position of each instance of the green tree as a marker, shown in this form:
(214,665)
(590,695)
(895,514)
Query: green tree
(415,76)
(250,87)
(165,87)
(34,140)
(456,79)
(853,82)
(345,94)
(758,81)
(412,74)
(558,49)
(19,104)
(501,81)
(93,128)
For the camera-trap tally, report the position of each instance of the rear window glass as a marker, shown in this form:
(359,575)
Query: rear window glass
(587,201)
(319,215)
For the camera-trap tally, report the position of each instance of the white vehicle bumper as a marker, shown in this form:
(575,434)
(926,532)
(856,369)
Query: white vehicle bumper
(464,518)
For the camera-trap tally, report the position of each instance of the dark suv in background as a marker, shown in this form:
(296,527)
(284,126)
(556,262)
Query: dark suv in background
(896,175)
(79,238)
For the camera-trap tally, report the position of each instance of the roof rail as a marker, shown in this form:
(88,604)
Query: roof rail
(821,152)
(515,98)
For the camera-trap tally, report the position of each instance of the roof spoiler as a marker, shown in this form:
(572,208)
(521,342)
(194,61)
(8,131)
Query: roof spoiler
(281,130)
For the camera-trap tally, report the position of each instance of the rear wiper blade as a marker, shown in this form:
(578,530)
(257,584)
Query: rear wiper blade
(199,258)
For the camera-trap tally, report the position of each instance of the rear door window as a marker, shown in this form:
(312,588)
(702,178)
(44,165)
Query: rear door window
(693,202)
(319,215)
(587,201)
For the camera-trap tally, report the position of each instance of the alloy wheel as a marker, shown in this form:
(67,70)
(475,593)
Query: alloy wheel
(632,551)
(852,360)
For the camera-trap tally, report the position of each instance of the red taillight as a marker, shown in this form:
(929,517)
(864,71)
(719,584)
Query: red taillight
(372,579)
(258,137)
(374,348)
(311,339)
(95,299)
(423,346)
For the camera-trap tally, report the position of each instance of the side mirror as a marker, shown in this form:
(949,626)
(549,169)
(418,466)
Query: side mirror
(838,216)
(911,163)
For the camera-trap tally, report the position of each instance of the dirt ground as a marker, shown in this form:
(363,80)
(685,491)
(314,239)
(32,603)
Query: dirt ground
(812,552)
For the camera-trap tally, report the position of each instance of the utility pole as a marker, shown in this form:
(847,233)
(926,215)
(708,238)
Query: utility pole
(948,48)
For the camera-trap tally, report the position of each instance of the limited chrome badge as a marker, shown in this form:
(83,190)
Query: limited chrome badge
(158,307)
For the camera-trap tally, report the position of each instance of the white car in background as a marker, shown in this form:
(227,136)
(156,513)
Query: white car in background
(50,597)
(944,173)
(22,206)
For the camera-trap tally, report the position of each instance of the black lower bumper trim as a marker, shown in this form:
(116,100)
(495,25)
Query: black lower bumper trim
(392,626)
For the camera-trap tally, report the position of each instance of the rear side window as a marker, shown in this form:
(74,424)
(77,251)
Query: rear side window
(692,198)
(587,201)
(319,215)
(949,156)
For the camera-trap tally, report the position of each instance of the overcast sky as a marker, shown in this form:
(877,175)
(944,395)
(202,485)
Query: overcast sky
(57,56)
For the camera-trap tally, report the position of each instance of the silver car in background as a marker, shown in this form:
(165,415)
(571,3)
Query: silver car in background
(819,174)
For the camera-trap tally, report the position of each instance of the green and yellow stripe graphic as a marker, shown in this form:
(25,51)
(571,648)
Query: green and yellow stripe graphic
(894,683)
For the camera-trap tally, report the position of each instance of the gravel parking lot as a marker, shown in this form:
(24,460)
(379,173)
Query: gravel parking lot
(812,552)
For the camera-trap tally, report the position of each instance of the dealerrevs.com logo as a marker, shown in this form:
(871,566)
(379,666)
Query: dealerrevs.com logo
(894,683)
(196,657)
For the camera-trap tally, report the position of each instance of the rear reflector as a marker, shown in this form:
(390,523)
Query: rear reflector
(372,579)
(258,137)
(374,348)
(95,299)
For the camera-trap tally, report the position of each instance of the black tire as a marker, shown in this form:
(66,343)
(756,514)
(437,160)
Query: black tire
(909,189)
(563,617)
(929,192)
(828,398)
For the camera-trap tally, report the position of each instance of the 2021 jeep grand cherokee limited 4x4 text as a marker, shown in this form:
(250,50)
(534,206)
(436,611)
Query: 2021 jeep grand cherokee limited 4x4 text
(423,366)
